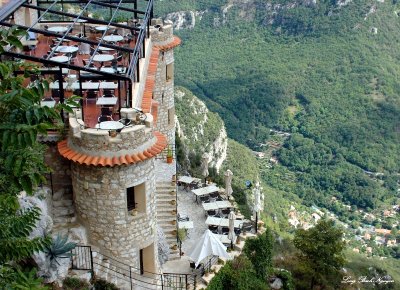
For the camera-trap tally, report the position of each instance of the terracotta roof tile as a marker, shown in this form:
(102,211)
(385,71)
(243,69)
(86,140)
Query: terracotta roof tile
(115,160)
(174,43)
(129,159)
(150,81)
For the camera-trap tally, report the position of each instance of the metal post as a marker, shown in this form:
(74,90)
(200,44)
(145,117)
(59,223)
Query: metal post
(162,282)
(91,263)
(186,281)
(130,276)
(256,220)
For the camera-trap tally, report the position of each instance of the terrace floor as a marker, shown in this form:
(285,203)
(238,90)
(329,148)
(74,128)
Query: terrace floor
(114,62)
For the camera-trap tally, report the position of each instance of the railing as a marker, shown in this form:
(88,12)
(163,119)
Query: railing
(85,259)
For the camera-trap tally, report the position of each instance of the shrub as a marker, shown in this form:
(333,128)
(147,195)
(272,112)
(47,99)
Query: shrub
(100,284)
(73,283)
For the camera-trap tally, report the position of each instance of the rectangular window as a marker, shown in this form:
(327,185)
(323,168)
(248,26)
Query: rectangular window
(136,198)
(130,198)
(169,72)
(171,117)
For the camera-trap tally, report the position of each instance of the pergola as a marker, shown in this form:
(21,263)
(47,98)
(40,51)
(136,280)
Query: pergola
(137,15)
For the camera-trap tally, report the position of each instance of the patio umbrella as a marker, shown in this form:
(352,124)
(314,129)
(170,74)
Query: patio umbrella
(204,165)
(257,201)
(231,234)
(208,245)
(228,183)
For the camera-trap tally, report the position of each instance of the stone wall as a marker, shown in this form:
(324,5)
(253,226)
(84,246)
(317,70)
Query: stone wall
(164,88)
(26,16)
(101,205)
(60,177)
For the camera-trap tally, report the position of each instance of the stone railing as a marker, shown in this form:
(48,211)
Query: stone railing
(135,136)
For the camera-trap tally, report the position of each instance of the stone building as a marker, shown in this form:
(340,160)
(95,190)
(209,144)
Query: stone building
(105,180)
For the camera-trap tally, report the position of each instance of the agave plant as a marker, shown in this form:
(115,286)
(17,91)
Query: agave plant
(60,248)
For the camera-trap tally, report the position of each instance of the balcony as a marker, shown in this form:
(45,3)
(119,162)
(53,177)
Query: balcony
(93,49)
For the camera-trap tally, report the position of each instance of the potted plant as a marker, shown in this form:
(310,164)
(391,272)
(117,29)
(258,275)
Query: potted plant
(169,154)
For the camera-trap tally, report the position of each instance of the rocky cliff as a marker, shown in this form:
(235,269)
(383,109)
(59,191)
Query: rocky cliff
(199,129)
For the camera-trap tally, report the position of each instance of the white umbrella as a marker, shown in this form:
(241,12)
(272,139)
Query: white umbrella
(208,245)
(257,201)
(204,164)
(228,180)
(231,234)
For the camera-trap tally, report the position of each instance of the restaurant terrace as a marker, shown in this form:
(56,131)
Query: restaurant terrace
(94,49)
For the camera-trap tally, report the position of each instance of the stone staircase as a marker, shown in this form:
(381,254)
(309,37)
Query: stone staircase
(166,215)
(63,210)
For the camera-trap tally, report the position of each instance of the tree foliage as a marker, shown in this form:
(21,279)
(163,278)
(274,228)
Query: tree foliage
(321,251)
(259,252)
(21,156)
(238,274)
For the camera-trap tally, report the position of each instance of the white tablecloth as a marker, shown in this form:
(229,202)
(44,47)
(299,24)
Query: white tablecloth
(108,85)
(103,57)
(223,222)
(58,29)
(224,238)
(107,101)
(217,205)
(110,125)
(185,225)
(67,49)
(205,190)
(186,179)
(113,38)
(60,58)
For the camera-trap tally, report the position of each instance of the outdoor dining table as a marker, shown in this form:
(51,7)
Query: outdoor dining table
(101,28)
(110,125)
(186,179)
(185,225)
(67,49)
(222,222)
(108,85)
(110,101)
(75,85)
(102,48)
(224,238)
(205,190)
(60,58)
(108,69)
(113,38)
(103,57)
(217,205)
(58,29)
(48,103)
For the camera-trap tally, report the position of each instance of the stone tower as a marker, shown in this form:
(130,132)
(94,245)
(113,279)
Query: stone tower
(163,94)
(113,182)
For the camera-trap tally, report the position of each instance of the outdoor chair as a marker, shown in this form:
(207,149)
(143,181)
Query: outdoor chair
(183,218)
(247,227)
(106,111)
(214,195)
(211,212)
(91,95)
(104,118)
(213,229)
(204,198)
(225,231)
(126,122)
(237,231)
(225,212)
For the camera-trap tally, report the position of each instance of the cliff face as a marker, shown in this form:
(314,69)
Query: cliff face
(267,12)
(199,129)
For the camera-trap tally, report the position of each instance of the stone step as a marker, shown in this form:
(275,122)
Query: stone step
(61,203)
(61,195)
(64,219)
(166,196)
(165,218)
(64,211)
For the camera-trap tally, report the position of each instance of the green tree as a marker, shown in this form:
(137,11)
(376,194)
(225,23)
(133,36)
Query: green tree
(321,251)
(238,274)
(21,155)
(259,252)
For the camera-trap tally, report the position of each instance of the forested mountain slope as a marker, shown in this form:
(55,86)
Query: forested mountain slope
(325,71)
